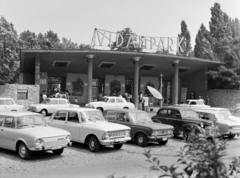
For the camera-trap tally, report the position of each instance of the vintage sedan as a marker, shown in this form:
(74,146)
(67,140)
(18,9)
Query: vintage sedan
(186,122)
(49,105)
(143,129)
(26,132)
(88,126)
(226,126)
(8,104)
(111,102)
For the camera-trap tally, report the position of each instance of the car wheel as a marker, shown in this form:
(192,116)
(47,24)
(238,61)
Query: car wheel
(231,135)
(118,146)
(93,144)
(44,112)
(163,142)
(101,109)
(58,151)
(23,151)
(141,140)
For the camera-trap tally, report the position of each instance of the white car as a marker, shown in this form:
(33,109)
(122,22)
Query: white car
(111,102)
(88,126)
(8,104)
(26,132)
(49,105)
(195,104)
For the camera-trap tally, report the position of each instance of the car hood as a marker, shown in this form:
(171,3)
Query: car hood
(43,132)
(154,125)
(97,103)
(229,122)
(107,126)
(234,118)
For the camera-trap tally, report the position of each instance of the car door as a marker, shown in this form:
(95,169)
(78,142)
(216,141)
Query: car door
(9,133)
(120,103)
(175,119)
(111,104)
(52,106)
(73,125)
(58,119)
(10,105)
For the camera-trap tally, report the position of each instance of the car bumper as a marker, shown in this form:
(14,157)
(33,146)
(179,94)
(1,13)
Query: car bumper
(49,147)
(114,141)
(159,137)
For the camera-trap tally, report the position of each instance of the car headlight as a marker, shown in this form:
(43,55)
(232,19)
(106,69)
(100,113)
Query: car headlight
(154,133)
(106,136)
(38,142)
(127,133)
(68,138)
(170,131)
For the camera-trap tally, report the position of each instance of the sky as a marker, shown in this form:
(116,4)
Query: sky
(77,19)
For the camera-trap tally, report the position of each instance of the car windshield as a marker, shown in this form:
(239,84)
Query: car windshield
(105,99)
(140,117)
(30,121)
(189,114)
(94,116)
(46,101)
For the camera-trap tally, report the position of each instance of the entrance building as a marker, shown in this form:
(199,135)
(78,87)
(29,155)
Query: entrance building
(86,73)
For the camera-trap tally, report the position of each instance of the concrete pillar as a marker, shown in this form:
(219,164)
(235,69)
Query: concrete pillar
(176,82)
(136,80)
(37,70)
(90,72)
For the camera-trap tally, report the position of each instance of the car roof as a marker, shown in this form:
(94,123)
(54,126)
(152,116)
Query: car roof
(215,109)
(76,109)
(125,110)
(178,107)
(207,111)
(17,114)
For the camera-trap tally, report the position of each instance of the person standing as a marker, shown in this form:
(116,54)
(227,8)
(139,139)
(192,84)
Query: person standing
(44,95)
(200,98)
(146,102)
(140,98)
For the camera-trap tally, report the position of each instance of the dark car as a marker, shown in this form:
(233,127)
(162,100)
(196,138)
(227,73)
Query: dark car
(143,129)
(185,121)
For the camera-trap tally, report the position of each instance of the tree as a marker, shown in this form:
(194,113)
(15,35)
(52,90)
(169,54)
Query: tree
(84,47)
(28,40)
(202,47)
(43,43)
(9,58)
(68,44)
(129,41)
(53,39)
(186,40)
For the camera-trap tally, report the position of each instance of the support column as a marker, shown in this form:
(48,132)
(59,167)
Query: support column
(37,70)
(90,72)
(136,80)
(176,82)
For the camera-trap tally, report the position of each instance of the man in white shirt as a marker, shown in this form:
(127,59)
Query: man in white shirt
(146,102)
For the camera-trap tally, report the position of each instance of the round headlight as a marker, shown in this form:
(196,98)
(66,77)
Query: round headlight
(68,138)
(38,142)
(105,136)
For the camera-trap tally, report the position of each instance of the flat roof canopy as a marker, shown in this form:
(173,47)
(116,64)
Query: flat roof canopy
(120,63)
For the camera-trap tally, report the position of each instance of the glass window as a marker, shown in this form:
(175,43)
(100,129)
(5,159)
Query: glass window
(2,102)
(121,117)
(54,102)
(9,122)
(60,115)
(73,117)
(141,117)
(22,94)
(62,102)
(9,102)
(94,116)
(119,100)
(30,121)
(189,114)
(111,115)
(163,112)
(1,120)
(112,100)
(193,103)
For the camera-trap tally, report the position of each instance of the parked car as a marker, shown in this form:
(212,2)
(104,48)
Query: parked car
(236,113)
(26,132)
(222,121)
(8,104)
(143,129)
(185,122)
(195,104)
(111,102)
(88,126)
(49,105)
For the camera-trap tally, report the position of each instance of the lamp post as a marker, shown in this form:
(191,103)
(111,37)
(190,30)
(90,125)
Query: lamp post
(161,100)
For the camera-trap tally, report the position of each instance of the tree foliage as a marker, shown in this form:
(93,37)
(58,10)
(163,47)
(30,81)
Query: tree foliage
(9,57)
(186,40)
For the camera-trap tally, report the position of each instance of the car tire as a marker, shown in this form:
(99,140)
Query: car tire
(44,112)
(93,144)
(163,142)
(231,135)
(118,146)
(23,151)
(141,140)
(58,151)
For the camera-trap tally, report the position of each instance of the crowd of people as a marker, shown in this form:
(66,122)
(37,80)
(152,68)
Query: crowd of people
(57,94)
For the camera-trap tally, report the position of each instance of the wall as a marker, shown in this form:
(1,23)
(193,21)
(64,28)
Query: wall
(10,90)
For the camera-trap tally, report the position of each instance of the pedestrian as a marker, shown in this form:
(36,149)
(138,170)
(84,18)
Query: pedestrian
(145,102)
(57,95)
(200,98)
(140,97)
(76,101)
(207,101)
(44,95)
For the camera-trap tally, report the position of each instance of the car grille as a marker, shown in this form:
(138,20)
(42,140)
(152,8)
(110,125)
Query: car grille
(54,141)
(163,132)
(117,134)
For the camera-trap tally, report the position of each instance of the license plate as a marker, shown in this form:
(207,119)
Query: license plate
(55,148)
(119,140)
(164,139)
